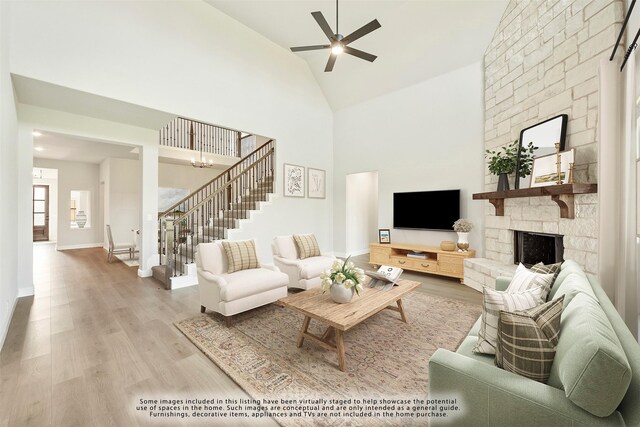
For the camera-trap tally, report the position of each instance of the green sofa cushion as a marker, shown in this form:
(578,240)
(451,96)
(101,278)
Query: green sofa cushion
(475,329)
(567,267)
(590,364)
(573,284)
(466,349)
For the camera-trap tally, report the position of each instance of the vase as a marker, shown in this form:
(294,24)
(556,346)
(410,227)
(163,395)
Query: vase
(340,294)
(463,241)
(503,182)
(81,219)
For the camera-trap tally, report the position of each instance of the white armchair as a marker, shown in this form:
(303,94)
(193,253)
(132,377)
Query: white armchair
(232,293)
(303,273)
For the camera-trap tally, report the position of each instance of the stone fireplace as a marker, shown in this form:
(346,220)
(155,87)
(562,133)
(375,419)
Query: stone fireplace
(543,61)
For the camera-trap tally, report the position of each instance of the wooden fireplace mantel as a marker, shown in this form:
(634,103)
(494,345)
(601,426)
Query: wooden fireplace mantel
(561,194)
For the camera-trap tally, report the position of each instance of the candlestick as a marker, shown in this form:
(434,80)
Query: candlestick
(558,164)
(570,180)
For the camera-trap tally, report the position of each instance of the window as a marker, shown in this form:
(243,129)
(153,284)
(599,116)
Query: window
(80,209)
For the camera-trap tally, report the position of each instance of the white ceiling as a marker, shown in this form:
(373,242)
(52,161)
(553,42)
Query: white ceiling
(419,39)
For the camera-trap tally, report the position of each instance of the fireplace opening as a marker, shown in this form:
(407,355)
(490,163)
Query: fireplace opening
(532,248)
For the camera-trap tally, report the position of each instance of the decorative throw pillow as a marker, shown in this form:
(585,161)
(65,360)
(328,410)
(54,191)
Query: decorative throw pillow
(307,245)
(523,280)
(241,255)
(527,340)
(547,269)
(492,302)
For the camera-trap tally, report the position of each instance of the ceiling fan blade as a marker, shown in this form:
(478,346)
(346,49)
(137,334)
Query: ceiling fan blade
(360,54)
(319,17)
(362,31)
(317,47)
(330,63)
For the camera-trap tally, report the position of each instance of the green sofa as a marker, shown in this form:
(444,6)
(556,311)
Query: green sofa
(489,396)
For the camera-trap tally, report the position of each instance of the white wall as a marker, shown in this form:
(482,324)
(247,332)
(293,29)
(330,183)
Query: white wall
(184,176)
(76,176)
(207,73)
(424,137)
(8,188)
(361,212)
(124,197)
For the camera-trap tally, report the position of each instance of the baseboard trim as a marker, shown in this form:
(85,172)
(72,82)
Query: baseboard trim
(183,282)
(79,246)
(9,319)
(26,292)
(145,273)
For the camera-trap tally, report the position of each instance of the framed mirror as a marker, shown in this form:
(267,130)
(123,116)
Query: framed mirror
(544,136)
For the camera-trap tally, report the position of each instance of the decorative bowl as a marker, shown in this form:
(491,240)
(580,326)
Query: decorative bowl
(447,245)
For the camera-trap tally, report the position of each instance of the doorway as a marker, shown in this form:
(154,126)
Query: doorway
(362,212)
(40,199)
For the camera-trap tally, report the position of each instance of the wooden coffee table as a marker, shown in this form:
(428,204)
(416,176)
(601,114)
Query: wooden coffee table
(313,304)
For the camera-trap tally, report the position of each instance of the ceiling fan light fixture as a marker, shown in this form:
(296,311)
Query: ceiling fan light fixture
(338,43)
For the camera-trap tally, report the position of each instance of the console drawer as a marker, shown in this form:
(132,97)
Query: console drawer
(451,259)
(430,265)
(449,268)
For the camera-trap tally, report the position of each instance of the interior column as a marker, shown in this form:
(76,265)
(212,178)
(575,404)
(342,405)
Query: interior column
(149,210)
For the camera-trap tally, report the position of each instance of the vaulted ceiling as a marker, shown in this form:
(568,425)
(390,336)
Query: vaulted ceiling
(419,39)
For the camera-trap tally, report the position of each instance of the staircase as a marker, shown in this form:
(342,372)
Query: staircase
(210,212)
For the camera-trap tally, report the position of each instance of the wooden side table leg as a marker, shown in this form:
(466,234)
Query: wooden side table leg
(401,310)
(303,330)
(342,358)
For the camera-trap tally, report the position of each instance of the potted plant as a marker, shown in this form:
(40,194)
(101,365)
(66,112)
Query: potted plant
(463,227)
(503,162)
(342,280)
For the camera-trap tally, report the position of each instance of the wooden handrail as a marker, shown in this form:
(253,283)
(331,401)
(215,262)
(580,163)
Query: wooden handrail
(175,205)
(208,124)
(224,187)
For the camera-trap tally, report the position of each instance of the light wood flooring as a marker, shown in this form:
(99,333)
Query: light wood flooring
(96,338)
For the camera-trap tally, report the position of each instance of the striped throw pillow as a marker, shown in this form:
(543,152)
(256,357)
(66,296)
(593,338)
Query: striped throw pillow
(241,255)
(495,301)
(307,245)
(524,280)
(527,340)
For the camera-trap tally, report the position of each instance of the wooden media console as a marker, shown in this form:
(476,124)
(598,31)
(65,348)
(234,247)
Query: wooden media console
(436,261)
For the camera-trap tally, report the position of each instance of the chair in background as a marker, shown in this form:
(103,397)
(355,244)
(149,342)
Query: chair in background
(119,248)
(304,273)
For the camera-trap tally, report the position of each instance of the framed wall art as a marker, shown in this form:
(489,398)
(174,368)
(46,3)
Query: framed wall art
(294,185)
(316,183)
(545,169)
(384,235)
(543,136)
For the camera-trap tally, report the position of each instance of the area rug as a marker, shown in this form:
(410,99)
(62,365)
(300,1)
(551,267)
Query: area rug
(386,358)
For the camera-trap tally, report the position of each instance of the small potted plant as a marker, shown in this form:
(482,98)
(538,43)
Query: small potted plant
(503,162)
(342,280)
(463,227)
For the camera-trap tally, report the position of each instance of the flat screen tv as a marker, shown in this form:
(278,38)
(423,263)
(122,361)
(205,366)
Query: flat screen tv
(428,210)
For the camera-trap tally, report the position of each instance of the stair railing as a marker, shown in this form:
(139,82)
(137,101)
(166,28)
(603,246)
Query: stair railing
(201,137)
(206,214)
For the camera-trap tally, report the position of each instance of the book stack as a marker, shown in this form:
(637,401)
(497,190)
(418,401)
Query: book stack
(417,256)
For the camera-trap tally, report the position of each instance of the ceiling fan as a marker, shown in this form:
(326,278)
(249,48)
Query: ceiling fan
(338,43)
